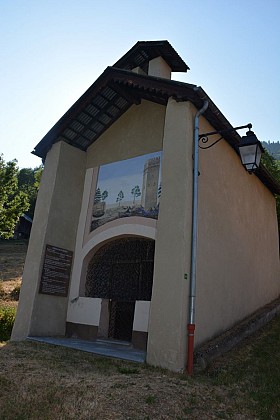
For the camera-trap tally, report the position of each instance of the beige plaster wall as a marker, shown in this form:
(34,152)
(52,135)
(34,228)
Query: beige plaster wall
(169,304)
(141,316)
(238,258)
(238,252)
(85,311)
(137,132)
(55,222)
(159,68)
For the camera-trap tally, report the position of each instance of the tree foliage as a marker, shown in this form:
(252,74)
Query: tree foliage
(135,192)
(104,195)
(29,182)
(100,196)
(120,197)
(159,191)
(273,166)
(13,202)
(273,148)
(97,197)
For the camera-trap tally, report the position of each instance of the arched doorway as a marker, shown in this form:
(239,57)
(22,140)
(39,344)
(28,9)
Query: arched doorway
(121,273)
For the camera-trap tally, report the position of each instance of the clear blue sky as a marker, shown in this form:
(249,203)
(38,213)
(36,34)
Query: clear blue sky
(51,51)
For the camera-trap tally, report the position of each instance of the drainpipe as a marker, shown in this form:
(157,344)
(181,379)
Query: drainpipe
(191,324)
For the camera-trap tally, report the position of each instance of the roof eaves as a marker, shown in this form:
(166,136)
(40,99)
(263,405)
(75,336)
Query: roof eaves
(122,76)
(160,87)
(268,180)
(143,51)
(42,148)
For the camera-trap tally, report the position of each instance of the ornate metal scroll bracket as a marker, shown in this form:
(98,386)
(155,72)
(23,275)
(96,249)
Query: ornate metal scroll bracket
(204,138)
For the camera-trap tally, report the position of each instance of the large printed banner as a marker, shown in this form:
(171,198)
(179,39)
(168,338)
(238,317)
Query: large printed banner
(127,188)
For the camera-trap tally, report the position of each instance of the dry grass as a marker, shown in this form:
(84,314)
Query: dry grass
(39,381)
(47,382)
(12,256)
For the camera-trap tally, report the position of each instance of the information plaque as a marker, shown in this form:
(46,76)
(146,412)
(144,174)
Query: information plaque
(56,271)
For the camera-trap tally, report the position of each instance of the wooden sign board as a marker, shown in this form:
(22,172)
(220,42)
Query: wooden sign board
(56,271)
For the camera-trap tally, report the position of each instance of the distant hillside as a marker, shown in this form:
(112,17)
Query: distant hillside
(272,148)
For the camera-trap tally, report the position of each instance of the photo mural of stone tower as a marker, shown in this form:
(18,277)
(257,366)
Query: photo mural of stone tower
(150,183)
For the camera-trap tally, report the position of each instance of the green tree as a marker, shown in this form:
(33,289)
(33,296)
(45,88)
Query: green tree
(97,197)
(13,202)
(159,191)
(273,148)
(38,172)
(104,195)
(273,166)
(120,197)
(135,192)
(29,182)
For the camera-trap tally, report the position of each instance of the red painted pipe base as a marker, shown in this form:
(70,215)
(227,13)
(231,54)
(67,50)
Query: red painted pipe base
(191,328)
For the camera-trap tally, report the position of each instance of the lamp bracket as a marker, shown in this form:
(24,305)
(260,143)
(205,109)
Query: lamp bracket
(204,137)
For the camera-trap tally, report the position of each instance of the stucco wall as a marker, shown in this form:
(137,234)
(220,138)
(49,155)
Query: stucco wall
(169,304)
(238,257)
(84,311)
(159,68)
(238,252)
(141,316)
(139,131)
(55,223)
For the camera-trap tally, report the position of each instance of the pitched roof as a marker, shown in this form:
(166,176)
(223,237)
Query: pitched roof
(144,51)
(113,93)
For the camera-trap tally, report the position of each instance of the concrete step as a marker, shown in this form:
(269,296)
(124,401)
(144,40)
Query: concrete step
(114,341)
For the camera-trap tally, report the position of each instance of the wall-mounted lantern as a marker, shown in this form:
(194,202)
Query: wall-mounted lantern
(250,148)
(250,151)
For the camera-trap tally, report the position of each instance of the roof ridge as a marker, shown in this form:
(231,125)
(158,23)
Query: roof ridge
(144,51)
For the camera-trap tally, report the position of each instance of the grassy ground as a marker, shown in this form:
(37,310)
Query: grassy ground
(39,381)
(12,256)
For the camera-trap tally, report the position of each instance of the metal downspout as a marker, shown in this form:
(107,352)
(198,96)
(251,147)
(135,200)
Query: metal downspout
(191,323)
